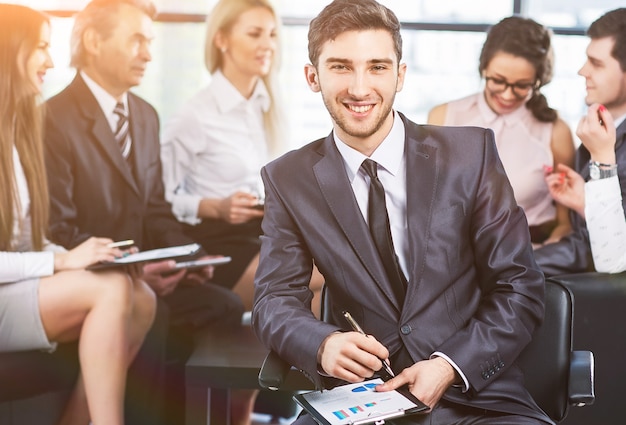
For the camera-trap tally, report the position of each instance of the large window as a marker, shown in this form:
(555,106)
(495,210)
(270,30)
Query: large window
(442,40)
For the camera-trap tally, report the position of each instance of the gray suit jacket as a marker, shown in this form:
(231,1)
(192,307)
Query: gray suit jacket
(572,254)
(474,291)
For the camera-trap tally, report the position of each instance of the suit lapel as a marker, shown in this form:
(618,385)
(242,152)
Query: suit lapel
(620,134)
(334,184)
(101,132)
(421,179)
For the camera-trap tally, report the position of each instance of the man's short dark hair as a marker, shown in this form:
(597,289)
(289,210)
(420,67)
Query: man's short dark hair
(351,15)
(612,24)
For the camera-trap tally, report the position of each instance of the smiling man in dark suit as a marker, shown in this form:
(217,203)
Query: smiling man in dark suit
(104,171)
(458,296)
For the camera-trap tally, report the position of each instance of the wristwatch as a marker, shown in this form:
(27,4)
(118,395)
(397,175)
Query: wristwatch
(598,170)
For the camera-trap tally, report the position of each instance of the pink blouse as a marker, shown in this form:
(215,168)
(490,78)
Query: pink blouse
(523,145)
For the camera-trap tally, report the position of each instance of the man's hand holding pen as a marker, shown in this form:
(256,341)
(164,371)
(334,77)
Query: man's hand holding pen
(428,380)
(351,356)
(356,327)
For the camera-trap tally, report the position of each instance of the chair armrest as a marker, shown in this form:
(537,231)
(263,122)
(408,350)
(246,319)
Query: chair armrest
(273,372)
(581,383)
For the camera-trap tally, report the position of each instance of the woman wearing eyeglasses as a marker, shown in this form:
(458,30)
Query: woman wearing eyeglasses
(515,62)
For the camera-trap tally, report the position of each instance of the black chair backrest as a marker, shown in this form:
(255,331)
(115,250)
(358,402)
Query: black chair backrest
(26,374)
(546,360)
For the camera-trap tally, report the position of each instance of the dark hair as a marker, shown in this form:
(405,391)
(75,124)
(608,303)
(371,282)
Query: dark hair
(351,15)
(527,39)
(612,24)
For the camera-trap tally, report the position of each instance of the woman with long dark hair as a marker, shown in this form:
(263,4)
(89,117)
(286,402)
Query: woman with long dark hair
(46,296)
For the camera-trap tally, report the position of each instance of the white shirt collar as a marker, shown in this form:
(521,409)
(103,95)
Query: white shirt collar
(388,154)
(619,121)
(105,100)
(230,98)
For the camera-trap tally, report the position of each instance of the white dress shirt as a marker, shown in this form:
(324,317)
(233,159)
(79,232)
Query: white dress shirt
(606,222)
(214,146)
(16,266)
(392,174)
(106,101)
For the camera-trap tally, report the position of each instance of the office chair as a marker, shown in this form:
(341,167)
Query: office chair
(556,376)
(599,326)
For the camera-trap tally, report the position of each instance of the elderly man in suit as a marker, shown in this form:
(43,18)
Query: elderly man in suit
(453,296)
(104,171)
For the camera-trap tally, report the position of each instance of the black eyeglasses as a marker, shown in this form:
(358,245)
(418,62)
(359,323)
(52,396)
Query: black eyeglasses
(520,90)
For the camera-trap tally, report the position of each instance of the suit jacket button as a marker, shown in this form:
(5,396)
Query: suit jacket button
(406,329)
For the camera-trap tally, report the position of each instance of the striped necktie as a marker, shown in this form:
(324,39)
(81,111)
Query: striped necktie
(122,136)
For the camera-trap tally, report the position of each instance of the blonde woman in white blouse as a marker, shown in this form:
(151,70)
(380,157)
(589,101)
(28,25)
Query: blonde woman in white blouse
(46,296)
(214,147)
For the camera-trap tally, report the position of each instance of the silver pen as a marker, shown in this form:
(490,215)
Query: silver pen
(355,326)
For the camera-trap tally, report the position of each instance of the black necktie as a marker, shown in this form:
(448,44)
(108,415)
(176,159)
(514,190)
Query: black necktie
(381,231)
(122,136)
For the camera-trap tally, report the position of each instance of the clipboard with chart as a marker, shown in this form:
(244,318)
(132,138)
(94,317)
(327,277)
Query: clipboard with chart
(358,404)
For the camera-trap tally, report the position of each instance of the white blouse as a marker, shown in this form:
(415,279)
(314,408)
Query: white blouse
(606,222)
(214,146)
(22,265)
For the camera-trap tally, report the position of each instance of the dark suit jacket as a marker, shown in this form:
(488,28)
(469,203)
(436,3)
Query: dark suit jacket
(474,292)
(572,254)
(92,189)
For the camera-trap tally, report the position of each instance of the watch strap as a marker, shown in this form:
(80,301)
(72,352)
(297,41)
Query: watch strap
(599,170)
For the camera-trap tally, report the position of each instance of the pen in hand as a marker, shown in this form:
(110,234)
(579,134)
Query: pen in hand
(355,326)
(119,244)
